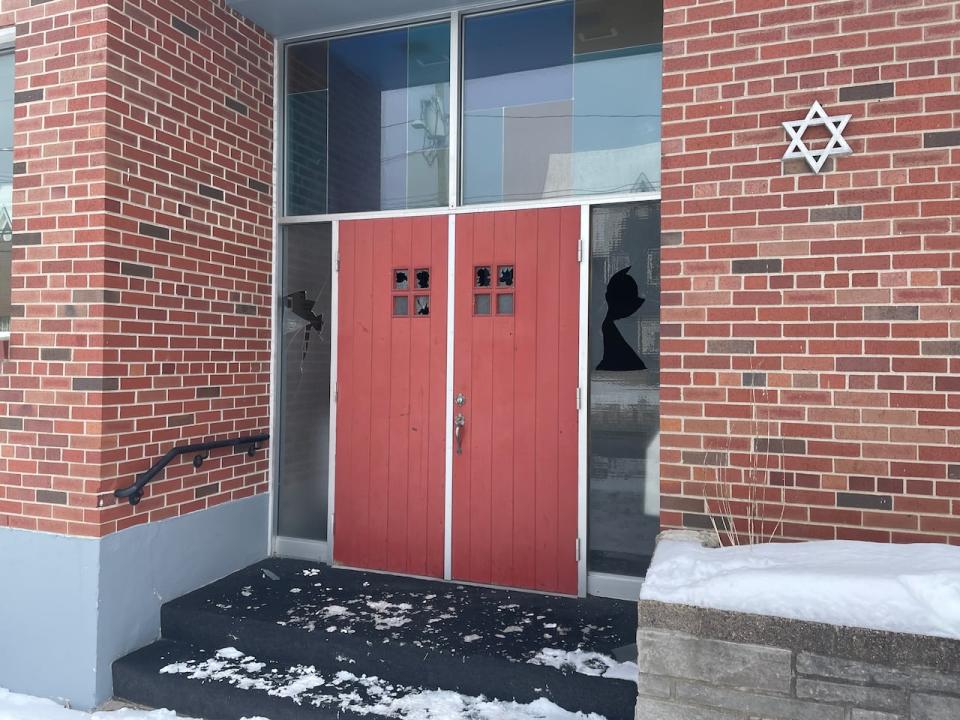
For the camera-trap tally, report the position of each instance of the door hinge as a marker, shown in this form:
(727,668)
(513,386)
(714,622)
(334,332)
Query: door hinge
(578,549)
(579,397)
(336,391)
(337,262)
(580,250)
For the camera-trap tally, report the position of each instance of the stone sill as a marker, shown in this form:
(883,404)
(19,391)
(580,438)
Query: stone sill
(877,646)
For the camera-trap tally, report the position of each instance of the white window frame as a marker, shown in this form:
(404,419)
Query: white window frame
(8,38)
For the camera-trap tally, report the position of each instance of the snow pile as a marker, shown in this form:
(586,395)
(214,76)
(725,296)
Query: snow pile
(446,705)
(902,588)
(24,707)
(587,663)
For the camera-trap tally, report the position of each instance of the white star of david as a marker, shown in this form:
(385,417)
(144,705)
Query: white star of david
(835,146)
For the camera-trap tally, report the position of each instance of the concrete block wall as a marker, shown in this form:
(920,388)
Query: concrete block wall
(698,664)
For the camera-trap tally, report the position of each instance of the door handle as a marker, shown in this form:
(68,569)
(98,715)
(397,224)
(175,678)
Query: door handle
(458,424)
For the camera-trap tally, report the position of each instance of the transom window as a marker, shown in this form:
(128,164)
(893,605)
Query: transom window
(557,100)
(367,122)
(562,100)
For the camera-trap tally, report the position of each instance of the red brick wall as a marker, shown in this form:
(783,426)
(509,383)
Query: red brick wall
(811,323)
(142,259)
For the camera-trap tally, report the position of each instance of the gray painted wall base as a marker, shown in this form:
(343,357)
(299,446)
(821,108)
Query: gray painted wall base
(700,664)
(71,606)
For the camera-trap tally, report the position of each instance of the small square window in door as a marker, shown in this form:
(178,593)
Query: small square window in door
(481,304)
(505,304)
(483,276)
(421,305)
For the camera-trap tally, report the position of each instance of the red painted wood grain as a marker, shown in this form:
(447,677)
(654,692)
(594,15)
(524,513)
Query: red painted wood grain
(389,494)
(515,485)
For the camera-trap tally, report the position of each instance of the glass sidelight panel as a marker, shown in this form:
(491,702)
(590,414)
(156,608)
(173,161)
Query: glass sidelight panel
(6,184)
(624,430)
(304,408)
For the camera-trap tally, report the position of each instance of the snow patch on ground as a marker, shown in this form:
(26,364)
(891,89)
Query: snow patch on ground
(14,706)
(900,588)
(446,705)
(586,663)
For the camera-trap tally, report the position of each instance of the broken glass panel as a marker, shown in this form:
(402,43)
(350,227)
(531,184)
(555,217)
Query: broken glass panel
(421,305)
(422,277)
(304,392)
(401,280)
(483,276)
(505,276)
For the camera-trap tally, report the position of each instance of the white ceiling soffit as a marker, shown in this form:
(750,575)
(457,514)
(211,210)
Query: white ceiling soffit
(298,18)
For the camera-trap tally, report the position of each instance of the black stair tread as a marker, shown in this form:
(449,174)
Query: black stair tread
(227,684)
(347,606)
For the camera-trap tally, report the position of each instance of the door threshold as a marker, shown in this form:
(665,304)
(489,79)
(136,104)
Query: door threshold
(452,581)
(616,587)
(300,549)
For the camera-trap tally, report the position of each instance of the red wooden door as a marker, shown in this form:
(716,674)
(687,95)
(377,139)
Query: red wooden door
(391,422)
(516,365)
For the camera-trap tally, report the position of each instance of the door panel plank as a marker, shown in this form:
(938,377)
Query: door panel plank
(503,398)
(547,389)
(398,465)
(569,356)
(435,449)
(525,462)
(380,381)
(479,413)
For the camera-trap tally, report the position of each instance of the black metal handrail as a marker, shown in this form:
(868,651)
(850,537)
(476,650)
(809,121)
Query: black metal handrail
(134,492)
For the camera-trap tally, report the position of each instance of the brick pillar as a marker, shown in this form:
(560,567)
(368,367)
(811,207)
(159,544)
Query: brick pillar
(142,256)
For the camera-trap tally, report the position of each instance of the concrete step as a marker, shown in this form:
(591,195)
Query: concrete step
(412,634)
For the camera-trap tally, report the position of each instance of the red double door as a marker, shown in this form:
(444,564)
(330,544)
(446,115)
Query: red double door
(512,417)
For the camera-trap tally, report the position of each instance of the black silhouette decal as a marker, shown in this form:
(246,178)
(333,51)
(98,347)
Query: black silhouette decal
(623,300)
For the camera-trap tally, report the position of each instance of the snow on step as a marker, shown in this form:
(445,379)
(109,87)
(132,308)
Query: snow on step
(364,695)
(900,588)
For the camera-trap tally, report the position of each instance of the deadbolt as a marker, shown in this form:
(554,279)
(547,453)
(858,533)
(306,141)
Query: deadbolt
(460,399)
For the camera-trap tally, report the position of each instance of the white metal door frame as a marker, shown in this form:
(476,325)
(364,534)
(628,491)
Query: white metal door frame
(588,583)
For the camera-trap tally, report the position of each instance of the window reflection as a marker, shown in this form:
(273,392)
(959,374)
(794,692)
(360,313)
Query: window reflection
(305,354)
(562,99)
(368,121)
(6,184)
(624,314)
